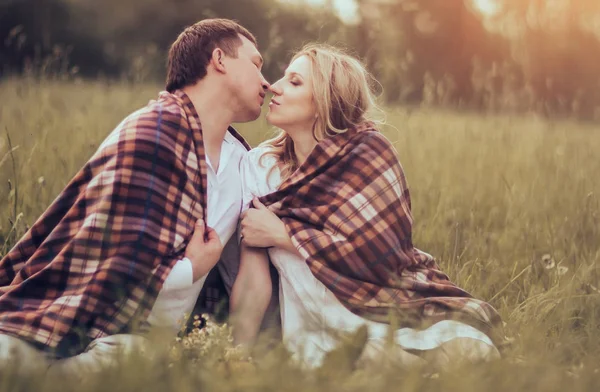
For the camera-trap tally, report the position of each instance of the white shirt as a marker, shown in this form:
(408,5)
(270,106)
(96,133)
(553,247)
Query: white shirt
(308,308)
(224,203)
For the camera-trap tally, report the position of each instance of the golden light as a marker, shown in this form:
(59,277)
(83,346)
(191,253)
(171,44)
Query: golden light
(487,7)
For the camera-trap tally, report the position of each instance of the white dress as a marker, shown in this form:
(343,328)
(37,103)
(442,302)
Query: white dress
(309,309)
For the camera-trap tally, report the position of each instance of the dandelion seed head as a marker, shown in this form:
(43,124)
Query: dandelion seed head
(548,262)
(561,270)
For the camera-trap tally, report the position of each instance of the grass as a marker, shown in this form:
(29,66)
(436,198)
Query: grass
(508,205)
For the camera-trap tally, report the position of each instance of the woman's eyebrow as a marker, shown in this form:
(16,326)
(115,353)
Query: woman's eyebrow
(294,74)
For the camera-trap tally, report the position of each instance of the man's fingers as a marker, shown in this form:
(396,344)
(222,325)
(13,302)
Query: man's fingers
(199,228)
(211,235)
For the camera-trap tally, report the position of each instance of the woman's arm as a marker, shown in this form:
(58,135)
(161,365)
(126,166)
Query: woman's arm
(283,241)
(250,295)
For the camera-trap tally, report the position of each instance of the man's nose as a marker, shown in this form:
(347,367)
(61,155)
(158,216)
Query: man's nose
(265,84)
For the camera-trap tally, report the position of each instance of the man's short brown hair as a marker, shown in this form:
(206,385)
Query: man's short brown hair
(191,52)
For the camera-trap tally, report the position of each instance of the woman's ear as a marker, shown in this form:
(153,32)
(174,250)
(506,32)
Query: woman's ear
(217,60)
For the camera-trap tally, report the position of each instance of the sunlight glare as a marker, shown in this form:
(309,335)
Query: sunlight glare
(487,7)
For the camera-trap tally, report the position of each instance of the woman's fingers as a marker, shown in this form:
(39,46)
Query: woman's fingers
(258,205)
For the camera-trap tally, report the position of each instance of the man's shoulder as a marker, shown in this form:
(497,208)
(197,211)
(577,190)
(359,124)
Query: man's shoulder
(167,110)
(162,118)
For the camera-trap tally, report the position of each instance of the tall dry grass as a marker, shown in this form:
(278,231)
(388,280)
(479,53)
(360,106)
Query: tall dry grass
(508,205)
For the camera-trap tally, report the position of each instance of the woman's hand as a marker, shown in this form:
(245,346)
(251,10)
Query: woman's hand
(261,228)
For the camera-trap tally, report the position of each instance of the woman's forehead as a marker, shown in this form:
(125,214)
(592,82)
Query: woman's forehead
(300,65)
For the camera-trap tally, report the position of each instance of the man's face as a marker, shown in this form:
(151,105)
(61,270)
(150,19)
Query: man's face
(246,82)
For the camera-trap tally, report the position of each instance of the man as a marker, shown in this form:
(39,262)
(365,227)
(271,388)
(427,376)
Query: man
(110,252)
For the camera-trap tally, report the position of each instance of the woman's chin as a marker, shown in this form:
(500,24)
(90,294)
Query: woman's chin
(271,120)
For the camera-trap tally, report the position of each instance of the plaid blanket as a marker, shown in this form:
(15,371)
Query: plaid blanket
(93,264)
(348,211)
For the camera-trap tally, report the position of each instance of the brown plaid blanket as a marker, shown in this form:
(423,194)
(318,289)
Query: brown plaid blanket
(348,211)
(93,264)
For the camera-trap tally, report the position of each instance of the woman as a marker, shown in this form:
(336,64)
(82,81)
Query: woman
(338,229)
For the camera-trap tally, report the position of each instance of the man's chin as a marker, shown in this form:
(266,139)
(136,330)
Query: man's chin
(250,116)
(256,115)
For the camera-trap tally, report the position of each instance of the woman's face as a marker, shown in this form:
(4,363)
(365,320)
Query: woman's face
(292,106)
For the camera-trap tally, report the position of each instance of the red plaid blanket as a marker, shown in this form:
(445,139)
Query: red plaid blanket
(94,262)
(348,211)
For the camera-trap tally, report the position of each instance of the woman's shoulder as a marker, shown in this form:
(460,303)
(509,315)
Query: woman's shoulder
(370,141)
(262,158)
(257,152)
(259,171)
(373,136)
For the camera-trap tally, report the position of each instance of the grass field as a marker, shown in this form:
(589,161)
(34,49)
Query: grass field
(508,205)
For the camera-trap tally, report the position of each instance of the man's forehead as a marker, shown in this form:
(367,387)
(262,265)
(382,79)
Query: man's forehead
(249,46)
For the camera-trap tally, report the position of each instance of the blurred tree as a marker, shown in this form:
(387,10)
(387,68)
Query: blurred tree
(139,35)
(513,55)
(556,44)
(412,43)
(38,36)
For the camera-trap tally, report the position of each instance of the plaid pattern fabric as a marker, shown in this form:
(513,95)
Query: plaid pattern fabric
(348,211)
(93,264)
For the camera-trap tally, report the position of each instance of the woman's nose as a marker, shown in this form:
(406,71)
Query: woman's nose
(275,89)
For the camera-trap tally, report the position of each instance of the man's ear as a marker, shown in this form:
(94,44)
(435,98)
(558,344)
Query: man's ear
(217,60)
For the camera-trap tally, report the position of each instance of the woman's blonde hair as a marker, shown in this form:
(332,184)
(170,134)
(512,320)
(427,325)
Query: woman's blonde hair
(343,96)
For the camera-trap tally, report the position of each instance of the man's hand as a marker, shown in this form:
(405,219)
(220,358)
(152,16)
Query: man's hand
(203,250)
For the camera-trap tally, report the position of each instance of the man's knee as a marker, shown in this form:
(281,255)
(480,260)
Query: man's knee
(20,355)
(463,350)
(116,347)
(378,352)
(103,353)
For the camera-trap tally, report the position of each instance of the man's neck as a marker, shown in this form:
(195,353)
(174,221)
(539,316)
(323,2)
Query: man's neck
(215,117)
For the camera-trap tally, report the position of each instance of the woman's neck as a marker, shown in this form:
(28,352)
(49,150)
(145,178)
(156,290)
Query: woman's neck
(303,146)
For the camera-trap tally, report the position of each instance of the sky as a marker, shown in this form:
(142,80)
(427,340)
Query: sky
(346,9)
